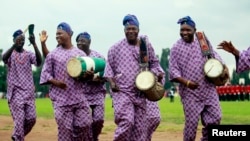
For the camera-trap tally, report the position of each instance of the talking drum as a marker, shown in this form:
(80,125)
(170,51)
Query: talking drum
(146,82)
(77,66)
(214,71)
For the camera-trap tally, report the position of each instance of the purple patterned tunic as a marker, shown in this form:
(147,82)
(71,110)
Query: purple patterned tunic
(187,61)
(153,118)
(129,104)
(21,92)
(95,94)
(71,108)
(243,63)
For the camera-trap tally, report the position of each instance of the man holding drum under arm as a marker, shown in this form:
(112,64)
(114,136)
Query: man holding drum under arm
(94,90)
(198,94)
(71,108)
(122,67)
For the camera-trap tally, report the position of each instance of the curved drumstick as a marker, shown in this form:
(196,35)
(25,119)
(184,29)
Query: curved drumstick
(25,30)
(209,70)
(206,73)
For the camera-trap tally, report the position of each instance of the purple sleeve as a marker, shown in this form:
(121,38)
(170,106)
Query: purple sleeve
(7,62)
(32,57)
(108,72)
(243,63)
(46,73)
(174,70)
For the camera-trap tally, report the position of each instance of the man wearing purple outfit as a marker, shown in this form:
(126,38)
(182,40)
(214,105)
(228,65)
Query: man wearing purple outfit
(121,70)
(71,108)
(21,89)
(198,95)
(94,90)
(153,119)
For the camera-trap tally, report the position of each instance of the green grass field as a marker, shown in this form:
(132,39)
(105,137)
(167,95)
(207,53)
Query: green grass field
(171,113)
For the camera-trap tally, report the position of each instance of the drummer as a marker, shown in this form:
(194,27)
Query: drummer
(121,70)
(198,95)
(94,90)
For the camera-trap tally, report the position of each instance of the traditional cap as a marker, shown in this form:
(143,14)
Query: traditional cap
(66,27)
(186,20)
(83,35)
(17,33)
(130,20)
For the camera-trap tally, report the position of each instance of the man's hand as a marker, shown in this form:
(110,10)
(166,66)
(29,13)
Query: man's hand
(160,77)
(227,46)
(43,36)
(88,75)
(32,39)
(192,85)
(59,84)
(99,79)
(114,87)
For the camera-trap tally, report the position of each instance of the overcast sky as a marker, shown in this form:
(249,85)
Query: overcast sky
(219,19)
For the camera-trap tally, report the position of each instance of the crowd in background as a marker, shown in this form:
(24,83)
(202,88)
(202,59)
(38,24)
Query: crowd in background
(234,92)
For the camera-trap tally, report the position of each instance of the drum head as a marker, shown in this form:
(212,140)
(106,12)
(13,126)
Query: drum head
(213,68)
(145,80)
(74,67)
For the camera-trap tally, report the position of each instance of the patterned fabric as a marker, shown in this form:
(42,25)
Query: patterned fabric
(73,122)
(95,94)
(129,104)
(70,106)
(98,120)
(21,92)
(23,114)
(243,63)
(20,74)
(186,61)
(153,118)
(123,63)
(208,110)
(129,112)
(55,68)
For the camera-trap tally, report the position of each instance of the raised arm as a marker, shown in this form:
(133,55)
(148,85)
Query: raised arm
(37,52)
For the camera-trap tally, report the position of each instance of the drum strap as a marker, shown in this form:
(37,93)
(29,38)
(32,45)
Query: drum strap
(204,44)
(143,54)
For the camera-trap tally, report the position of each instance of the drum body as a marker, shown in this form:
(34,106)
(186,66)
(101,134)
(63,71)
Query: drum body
(147,83)
(213,70)
(77,66)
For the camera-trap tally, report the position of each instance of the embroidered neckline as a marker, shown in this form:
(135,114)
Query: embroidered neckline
(18,57)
